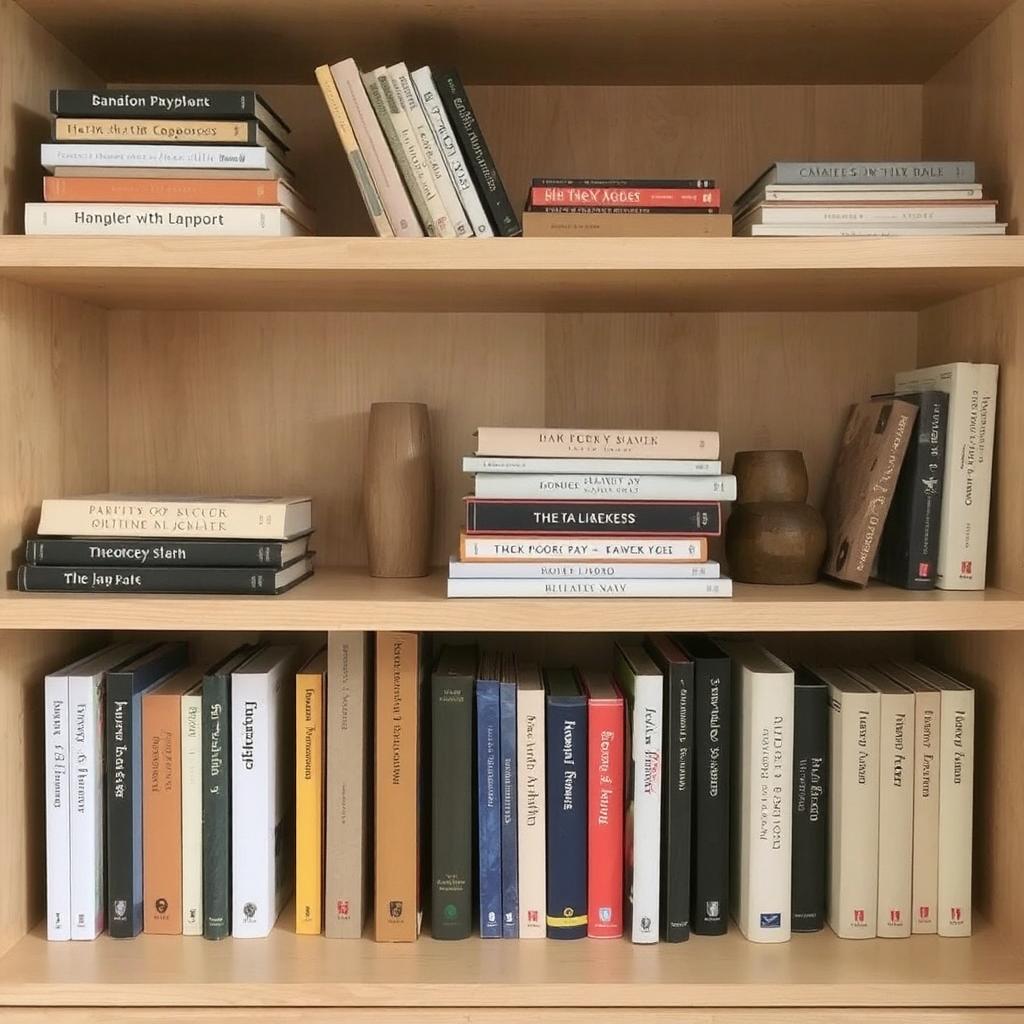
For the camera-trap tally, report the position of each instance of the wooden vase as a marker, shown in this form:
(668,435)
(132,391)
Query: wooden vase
(398,490)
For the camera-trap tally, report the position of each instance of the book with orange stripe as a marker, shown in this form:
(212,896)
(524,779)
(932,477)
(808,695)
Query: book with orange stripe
(309,794)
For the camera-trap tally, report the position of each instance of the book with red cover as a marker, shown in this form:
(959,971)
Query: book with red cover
(542,196)
(605,801)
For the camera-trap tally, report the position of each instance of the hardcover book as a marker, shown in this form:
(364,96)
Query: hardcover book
(623,196)
(532,813)
(527,548)
(488,774)
(508,784)
(57,748)
(560,443)
(589,588)
(605,486)
(142,156)
(117,129)
(582,570)
(595,223)
(543,466)
(192,812)
(309,794)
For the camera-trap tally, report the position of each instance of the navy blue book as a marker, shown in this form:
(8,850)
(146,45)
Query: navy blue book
(125,688)
(509,798)
(566,750)
(488,761)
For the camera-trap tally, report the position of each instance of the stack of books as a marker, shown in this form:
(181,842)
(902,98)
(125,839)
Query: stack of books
(914,197)
(166,162)
(417,151)
(142,544)
(592,513)
(627,207)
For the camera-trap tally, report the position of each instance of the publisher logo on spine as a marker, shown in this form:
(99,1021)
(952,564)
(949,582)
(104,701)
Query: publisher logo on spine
(771,920)
(712,910)
(395,910)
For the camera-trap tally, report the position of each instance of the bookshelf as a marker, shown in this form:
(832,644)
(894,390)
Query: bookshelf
(249,366)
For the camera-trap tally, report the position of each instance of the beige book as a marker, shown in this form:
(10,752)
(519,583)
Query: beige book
(531,803)
(240,174)
(626,225)
(192,814)
(895,802)
(346,854)
(593,442)
(129,129)
(853,805)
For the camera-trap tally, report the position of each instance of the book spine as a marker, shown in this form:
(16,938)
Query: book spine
(106,580)
(866,194)
(193,191)
(182,103)
(481,164)
(488,732)
(622,197)
(647,224)
(168,132)
(309,802)
(906,173)
(216,807)
(452,807)
(644,211)
(509,808)
(584,570)
(161,813)
(461,587)
(927,768)
(124,808)
(542,517)
(348,772)
(59,551)
(461,178)
(509,548)
(591,487)
(896,811)
(567,785)
(956,812)
(556,467)
(712,757)
(677,802)
(85,702)
(810,793)
(878,213)
(603,183)
(118,154)
(646,746)
(58,810)
(575,443)
(192,814)
(531,814)
(605,813)
(156,219)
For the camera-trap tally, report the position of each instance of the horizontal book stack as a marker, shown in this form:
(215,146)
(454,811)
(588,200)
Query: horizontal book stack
(417,151)
(627,207)
(166,162)
(867,198)
(152,544)
(558,512)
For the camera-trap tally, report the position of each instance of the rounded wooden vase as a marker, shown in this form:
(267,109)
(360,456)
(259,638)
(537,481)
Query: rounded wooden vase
(773,535)
(398,490)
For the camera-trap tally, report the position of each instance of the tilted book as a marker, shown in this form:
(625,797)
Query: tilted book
(532,812)
(192,813)
(535,548)
(639,518)
(309,794)
(488,775)
(559,442)
(634,571)
(508,784)
(613,486)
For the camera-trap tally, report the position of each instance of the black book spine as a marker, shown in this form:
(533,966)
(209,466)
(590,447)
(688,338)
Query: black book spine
(75,551)
(184,104)
(478,156)
(677,798)
(682,210)
(659,518)
(623,182)
(217,806)
(910,539)
(810,801)
(105,580)
(566,734)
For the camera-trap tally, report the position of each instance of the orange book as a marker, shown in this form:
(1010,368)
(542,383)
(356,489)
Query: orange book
(161,802)
(309,794)
(397,890)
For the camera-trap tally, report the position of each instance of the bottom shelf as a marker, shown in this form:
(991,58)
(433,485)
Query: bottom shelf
(291,970)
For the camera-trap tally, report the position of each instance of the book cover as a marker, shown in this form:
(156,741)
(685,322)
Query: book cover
(139,156)
(532,811)
(262,782)
(676,785)
(712,758)
(606,724)
(870,456)
(216,769)
(566,755)
(580,548)
(602,224)
(642,686)
(661,518)
(762,846)
(509,786)
(350,671)
(582,570)
(309,794)
(451,818)
(575,486)
(623,196)
(560,443)
(718,587)
(397,790)
(488,774)
(125,781)
(908,554)
(967,472)
(615,467)
(810,802)
(192,813)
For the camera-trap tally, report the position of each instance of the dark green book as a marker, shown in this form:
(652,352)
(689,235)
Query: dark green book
(217,792)
(451,712)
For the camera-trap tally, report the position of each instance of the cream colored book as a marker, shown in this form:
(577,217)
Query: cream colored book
(573,442)
(192,814)
(895,802)
(853,805)
(531,805)
(309,795)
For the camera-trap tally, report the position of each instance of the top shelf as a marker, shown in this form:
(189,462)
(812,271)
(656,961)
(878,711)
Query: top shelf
(521,41)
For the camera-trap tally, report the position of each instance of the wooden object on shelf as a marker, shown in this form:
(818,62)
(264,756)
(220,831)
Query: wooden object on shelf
(773,536)
(398,489)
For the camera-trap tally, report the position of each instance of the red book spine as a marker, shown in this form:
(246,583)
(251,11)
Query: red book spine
(605,744)
(565,195)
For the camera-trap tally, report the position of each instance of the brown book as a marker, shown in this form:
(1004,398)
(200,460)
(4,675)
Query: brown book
(626,225)
(874,443)
(161,802)
(397,821)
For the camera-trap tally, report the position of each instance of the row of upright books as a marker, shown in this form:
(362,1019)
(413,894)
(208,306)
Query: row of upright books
(688,780)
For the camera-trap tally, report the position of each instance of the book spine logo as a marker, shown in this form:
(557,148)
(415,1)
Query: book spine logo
(924,913)
(858,917)
(395,910)
(712,910)
(342,909)
(771,920)
(955,914)
(249,912)
(967,569)
(894,916)
(533,916)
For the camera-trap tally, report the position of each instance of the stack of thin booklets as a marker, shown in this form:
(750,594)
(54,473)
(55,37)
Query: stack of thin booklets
(625,207)
(913,197)
(166,162)
(142,544)
(559,512)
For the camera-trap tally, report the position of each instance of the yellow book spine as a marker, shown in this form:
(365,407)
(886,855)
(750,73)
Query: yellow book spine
(309,794)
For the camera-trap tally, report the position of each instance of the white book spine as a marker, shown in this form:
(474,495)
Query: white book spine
(85,700)
(447,143)
(58,810)
(925,885)
(640,467)
(158,219)
(981,213)
(853,814)
(895,814)
(647,728)
(612,486)
(583,570)
(617,587)
(875,230)
(858,193)
(956,811)
(531,812)
(435,163)
(192,814)
(583,549)
(73,154)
